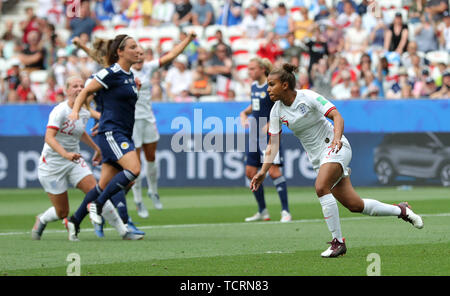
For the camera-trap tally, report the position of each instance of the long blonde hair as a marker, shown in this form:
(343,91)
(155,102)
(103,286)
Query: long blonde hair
(264,63)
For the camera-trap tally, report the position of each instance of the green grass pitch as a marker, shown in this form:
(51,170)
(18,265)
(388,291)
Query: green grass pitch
(200,232)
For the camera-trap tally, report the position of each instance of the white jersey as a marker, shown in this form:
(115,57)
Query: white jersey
(143,104)
(68,135)
(306,117)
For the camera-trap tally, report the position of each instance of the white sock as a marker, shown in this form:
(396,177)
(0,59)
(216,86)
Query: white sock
(49,216)
(152,177)
(331,214)
(137,190)
(375,208)
(110,214)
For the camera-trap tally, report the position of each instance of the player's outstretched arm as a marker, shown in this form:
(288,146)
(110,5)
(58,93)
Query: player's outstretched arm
(177,50)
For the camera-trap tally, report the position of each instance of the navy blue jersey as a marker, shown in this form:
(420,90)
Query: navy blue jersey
(261,103)
(117,100)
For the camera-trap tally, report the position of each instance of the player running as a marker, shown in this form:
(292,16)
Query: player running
(61,164)
(260,107)
(117,88)
(305,113)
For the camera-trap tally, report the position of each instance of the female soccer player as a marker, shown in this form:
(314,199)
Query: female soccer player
(117,88)
(99,53)
(305,113)
(61,164)
(260,106)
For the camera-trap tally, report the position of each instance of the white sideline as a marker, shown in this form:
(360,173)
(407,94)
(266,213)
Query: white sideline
(225,224)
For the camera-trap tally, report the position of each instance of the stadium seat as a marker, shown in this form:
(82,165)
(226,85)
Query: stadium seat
(210,31)
(38,76)
(168,33)
(232,33)
(436,57)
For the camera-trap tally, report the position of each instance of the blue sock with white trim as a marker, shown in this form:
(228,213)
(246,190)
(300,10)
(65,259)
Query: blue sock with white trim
(117,183)
(120,203)
(280,185)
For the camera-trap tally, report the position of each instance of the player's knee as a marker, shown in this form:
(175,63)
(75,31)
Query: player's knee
(322,190)
(355,207)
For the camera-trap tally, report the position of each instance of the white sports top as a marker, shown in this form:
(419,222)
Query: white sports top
(68,135)
(306,117)
(144,104)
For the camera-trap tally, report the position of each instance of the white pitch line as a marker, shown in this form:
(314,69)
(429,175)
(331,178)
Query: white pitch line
(224,224)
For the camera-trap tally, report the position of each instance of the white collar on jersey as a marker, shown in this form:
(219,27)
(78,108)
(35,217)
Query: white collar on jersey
(259,86)
(118,67)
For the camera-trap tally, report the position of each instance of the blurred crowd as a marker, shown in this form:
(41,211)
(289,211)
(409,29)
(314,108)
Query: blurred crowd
(346,49)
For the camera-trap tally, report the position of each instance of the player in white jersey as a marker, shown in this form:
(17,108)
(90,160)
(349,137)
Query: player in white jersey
(145,131)
(62,165)
(305,113)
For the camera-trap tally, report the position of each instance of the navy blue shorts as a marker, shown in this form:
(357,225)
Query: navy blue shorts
(256,158)
(113,146)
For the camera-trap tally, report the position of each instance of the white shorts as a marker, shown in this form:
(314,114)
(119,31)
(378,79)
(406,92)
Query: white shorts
(56,180)
(144,132)
(343,157)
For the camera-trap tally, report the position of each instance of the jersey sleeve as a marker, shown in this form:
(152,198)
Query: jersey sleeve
(104,77)
(55,119)
(152,66)
(275,122)
(318,102)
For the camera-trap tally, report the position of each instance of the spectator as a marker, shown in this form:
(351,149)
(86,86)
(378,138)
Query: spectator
(178,77)
(50,42)
(33,56)
(347,16)
(202,14)
(230,13)
(364,67)
(292,50)
(303,28)
(263,8)
(437,73)
(84,23)
(415,11)
(220,64)
(219,39)
(341,91)
(395,91)
(283,24)
(444,32)
(162,13)
(377,32)
(373,92)
(303,81)
(138,12)
(59,68)
(324,12)
(436,9)
(53,94)
(270,48)
(356,41)
(201,83)
(317,47)
(104,10)
(203,57)
(321,78)
(184,97)
(341,65)
(369,82)
(340,7)
(443,92)
(24,93)
(253,25)
(86,66)
(407,56)
(29,25)
(12,80)
(183,13)
(406,91)
(361,9)
(354,91)
(415,69)
(396,38)
(334,38)
(423,86)
(426,35)
(9,40)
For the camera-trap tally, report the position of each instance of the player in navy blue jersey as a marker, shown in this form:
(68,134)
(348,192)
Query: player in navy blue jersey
(118,91)
(260,107)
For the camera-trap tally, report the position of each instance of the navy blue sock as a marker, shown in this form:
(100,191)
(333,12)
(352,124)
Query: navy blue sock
(120,203)
(117,183)
(90,197)
(259,195)
(280,184)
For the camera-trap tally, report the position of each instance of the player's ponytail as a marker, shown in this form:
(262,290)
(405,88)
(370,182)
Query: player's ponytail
(286,74)
(99,51)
